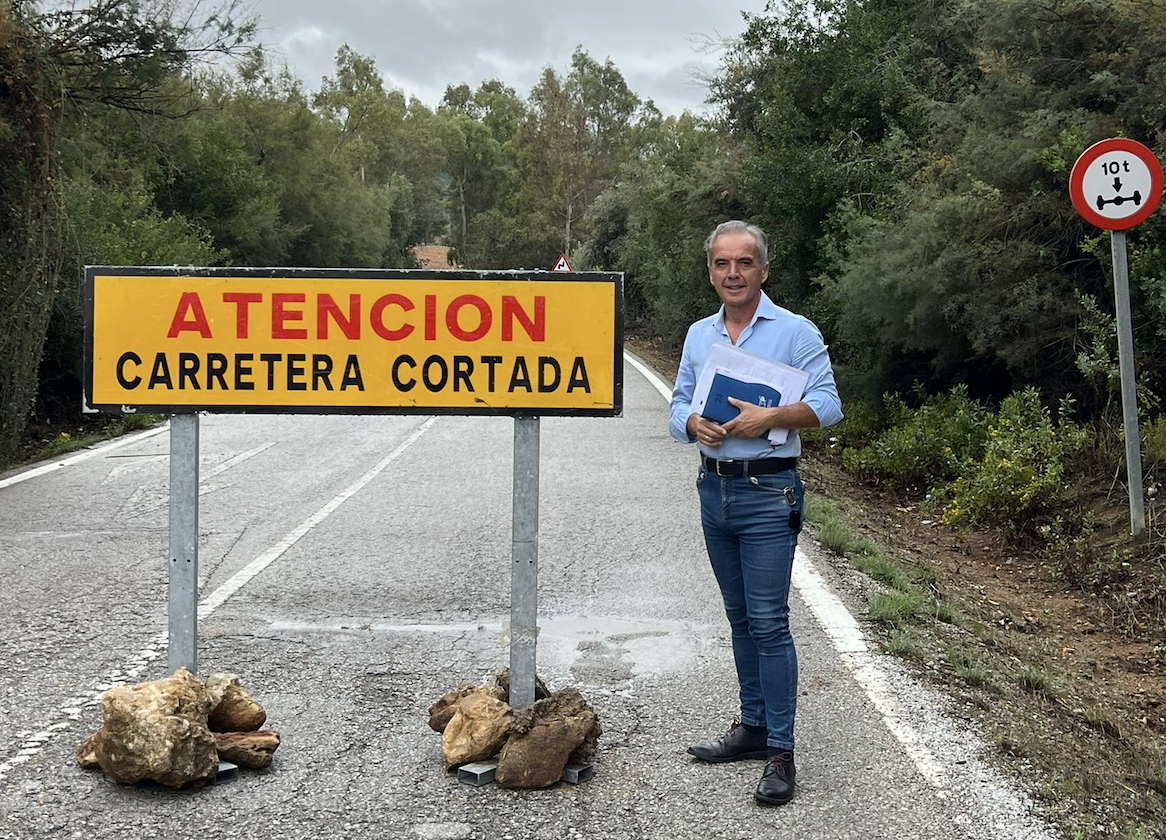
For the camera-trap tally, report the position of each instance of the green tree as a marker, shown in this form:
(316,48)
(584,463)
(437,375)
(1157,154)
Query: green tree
(75,63)
(576,134)
(206,174)
(327,215)
(477,132)
(652,223)
(911,160)
(475,164)
(387,141)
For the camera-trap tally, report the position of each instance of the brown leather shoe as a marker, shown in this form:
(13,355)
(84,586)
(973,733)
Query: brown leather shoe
(737,744)
(777,780)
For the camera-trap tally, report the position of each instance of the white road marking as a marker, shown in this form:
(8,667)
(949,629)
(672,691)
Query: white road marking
(238,580)
(81,456)
(847,638)
(234,462)
(649,374)
(132,670)
(158,498)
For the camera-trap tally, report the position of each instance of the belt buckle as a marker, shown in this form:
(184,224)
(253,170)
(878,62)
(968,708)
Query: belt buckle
(721,474)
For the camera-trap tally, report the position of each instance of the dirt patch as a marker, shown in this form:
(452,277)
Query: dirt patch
(1062,666)
(433,256)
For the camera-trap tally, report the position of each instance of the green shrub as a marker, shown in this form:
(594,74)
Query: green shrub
(925,447)
(1023,471)
(1154,442)
(1068,547)
(862,424)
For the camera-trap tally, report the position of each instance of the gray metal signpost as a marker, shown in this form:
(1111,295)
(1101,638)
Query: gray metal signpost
(1115,185)
(524,568)
(1129,391)
(182,624)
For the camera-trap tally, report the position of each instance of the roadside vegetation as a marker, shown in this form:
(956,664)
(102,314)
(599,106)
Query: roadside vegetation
(910,159)
(1069,700)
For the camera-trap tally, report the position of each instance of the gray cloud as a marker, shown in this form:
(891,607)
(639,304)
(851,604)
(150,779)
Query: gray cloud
(663,49)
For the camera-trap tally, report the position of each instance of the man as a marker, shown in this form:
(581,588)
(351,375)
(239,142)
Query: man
(751,497)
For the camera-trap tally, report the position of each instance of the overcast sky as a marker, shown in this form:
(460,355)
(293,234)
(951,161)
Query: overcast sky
(420,46)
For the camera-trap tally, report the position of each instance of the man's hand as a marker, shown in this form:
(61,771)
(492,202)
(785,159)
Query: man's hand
(705,431)
(753,421)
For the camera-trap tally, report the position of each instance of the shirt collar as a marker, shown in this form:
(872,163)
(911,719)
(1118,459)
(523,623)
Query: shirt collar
(766,309)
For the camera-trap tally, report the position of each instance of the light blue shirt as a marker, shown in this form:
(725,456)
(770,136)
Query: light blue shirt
(776,334)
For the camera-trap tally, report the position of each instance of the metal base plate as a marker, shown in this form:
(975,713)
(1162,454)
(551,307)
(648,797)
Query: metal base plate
(479,773)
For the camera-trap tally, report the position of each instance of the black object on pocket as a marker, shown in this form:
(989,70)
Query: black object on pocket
(795,520)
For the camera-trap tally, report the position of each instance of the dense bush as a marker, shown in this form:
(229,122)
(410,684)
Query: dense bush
(924,447)
(1024,471)
(1008,469)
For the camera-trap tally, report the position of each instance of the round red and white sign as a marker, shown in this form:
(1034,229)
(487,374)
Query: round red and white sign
(1116,184)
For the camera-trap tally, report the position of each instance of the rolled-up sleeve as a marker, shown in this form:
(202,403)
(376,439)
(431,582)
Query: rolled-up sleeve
(812,356)
(682,394)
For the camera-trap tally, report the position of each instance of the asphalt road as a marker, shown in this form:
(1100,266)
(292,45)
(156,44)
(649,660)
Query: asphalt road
(353,569)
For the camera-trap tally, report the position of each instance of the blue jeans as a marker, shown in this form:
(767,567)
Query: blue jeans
(751,527)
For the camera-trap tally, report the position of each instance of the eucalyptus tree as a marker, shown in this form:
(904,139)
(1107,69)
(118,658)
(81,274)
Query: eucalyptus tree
(579,129)
(476,131)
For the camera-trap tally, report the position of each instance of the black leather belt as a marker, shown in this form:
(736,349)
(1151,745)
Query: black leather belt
(754,466)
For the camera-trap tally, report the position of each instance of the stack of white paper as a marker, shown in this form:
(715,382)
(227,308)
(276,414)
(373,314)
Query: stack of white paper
(741,371)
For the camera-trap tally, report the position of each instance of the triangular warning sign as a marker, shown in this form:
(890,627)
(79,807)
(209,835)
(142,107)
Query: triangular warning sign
(562,264)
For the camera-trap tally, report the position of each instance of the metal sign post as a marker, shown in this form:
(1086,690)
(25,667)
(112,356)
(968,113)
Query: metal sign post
(1115,185)
(1129,393)
(524,568)
(182,625)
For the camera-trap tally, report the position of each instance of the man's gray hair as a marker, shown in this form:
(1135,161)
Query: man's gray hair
(737,226)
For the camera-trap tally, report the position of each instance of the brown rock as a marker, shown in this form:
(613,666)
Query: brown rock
(479,727)
(87,752)
(157,731)
(253,750)
(544,737)
(502,680)
(232,708)
(443,710)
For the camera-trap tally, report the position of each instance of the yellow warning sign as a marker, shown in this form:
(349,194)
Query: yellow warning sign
(393,342)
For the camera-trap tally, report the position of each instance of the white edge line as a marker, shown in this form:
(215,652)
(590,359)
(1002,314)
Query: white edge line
(649,374)
(82,456)
(847,638)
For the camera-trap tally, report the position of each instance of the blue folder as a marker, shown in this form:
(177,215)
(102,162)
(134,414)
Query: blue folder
(720,410)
